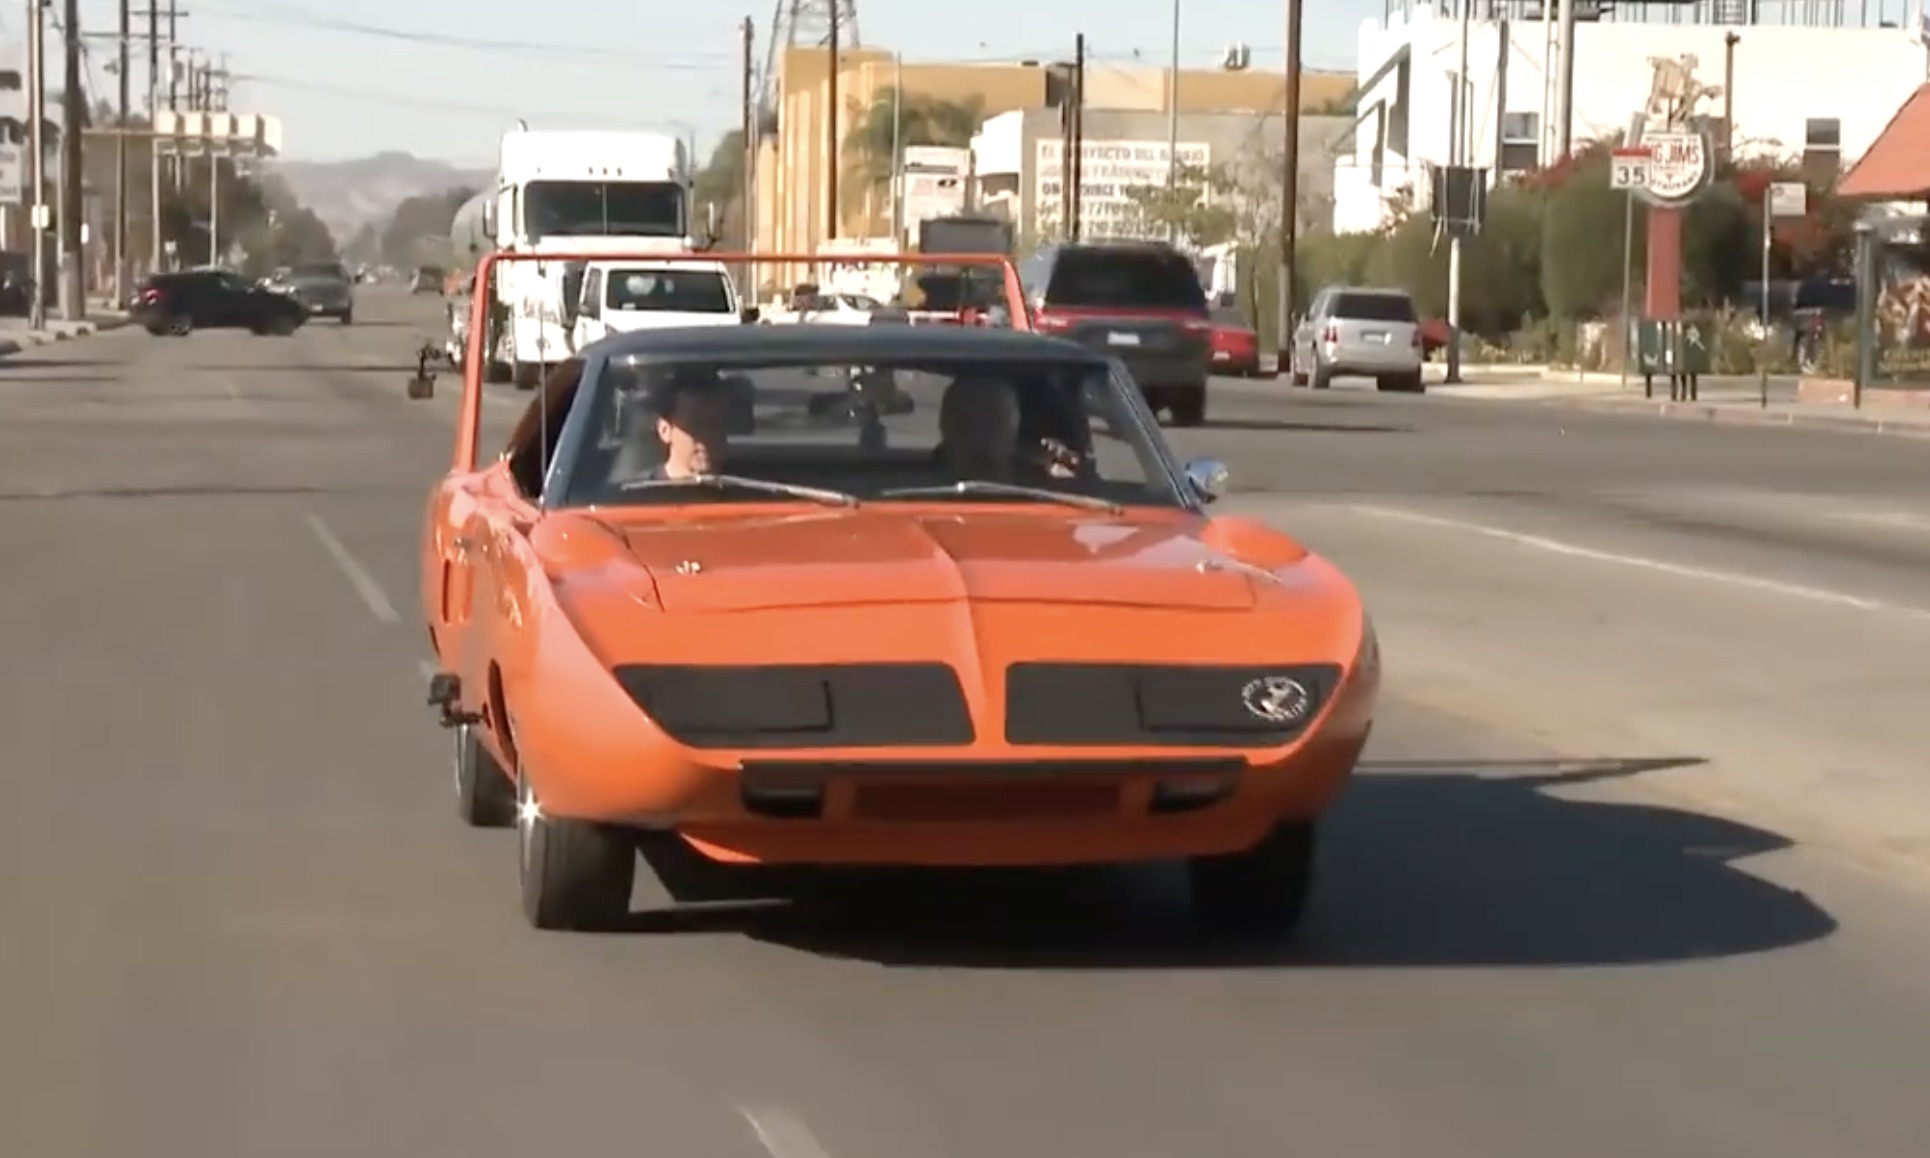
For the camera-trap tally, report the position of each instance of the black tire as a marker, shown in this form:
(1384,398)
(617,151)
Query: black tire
(485,795)
(1260,892)
(575,875)
(279,326)
(347,317)
(1401,383)
(498,373)
(180,326)
(529,375)
(156,329)
(1322,377)
(1188,406)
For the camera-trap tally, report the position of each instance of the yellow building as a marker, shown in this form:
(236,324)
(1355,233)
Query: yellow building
(794,163)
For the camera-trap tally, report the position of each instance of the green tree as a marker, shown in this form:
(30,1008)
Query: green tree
(916,120)
(1190,209)
(417,232)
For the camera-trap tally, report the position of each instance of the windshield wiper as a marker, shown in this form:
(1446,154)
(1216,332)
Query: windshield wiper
(966,488)
(740,483)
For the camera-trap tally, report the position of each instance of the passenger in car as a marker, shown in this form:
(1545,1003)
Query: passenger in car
(978,428)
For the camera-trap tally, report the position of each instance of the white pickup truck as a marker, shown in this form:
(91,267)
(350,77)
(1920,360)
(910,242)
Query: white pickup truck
(618,297)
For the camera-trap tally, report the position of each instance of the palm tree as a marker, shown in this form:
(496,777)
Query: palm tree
(918,120)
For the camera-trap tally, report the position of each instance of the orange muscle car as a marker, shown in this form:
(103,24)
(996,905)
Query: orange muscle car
(878,596)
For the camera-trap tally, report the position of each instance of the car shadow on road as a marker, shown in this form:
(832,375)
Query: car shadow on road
(1288,424)
(1441,864)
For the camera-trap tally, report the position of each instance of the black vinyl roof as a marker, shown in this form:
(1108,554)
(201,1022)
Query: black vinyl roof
(883,343)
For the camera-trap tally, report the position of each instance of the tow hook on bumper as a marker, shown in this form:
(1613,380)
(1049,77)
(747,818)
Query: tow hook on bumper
(445,695)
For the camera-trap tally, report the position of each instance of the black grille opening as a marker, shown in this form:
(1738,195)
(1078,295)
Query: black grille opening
(1074,704)
(803,705)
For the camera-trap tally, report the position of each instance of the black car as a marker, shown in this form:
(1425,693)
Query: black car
(323,288)
(213,299)
(1138,301)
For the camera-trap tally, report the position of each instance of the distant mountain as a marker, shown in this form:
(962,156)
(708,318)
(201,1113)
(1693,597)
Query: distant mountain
(347,195)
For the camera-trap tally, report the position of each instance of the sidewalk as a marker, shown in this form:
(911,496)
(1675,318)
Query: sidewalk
(16,337)
(1725,398)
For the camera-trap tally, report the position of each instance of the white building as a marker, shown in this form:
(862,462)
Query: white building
(1799,88)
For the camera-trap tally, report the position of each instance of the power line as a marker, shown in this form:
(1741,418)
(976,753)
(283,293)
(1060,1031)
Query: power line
(412,101)
(627,58)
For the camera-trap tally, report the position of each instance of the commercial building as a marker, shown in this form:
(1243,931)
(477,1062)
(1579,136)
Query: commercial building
(1017,160)
(1796,78)
(793,181)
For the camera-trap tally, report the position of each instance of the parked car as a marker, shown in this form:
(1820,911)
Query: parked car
(1236,345)
(1357,332)
(213,299)
(427,280)
(1140,302)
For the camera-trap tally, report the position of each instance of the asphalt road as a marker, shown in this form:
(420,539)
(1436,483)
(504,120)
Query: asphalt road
(1638,866)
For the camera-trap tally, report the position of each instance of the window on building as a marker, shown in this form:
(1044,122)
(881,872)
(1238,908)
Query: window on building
(1520,142)
(1822,148)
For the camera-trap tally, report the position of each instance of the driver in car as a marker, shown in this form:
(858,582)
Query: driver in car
(978,431)
(693,423)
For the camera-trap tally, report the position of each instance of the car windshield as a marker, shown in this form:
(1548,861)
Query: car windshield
(683,291)
(1048,433)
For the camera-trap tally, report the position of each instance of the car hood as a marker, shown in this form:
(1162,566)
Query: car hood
(859,558)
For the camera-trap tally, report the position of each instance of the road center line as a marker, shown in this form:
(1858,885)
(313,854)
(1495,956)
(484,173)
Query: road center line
(1818,595)
(357,575)
(783,1133)
(1900,520)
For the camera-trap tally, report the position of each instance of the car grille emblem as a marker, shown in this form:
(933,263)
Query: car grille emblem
(1277,699)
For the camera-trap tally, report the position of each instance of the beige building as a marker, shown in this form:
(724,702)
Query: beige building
(793,163)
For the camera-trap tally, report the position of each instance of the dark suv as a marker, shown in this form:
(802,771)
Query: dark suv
(1138,301)
(213,299)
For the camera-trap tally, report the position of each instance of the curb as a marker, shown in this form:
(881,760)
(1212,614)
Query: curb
(1744,416)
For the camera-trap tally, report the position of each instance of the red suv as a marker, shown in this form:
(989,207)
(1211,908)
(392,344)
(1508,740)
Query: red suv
(1138,301)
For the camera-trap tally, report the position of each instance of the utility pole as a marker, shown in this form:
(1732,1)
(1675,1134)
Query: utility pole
(747,209)
(1459,118)
(1076,142)
(1567,12)
(1289,195)
(831,119)
(73,115)
(120,153)
(37,154)
(154,144)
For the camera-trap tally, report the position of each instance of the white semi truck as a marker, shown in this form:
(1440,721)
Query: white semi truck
(571,192)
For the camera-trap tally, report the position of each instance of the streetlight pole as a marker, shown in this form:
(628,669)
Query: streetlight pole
(1172,132)
(1459,119)
(897,149)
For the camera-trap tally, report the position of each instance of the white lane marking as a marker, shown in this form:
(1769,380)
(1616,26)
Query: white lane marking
(1819,595)
(1902,520)
(357,575)
(783,1133)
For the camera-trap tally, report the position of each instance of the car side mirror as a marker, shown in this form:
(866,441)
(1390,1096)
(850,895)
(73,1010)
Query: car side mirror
(1207,477)
(751,314)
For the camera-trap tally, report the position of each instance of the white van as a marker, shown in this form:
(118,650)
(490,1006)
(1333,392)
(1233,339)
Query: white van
(620,296)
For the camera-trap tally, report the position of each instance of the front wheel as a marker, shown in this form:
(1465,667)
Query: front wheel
(1188,406)
(1261,891)
(347,317)
(485,797)
(575,875)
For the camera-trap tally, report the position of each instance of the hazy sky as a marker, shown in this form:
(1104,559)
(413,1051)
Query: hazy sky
(445,77)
